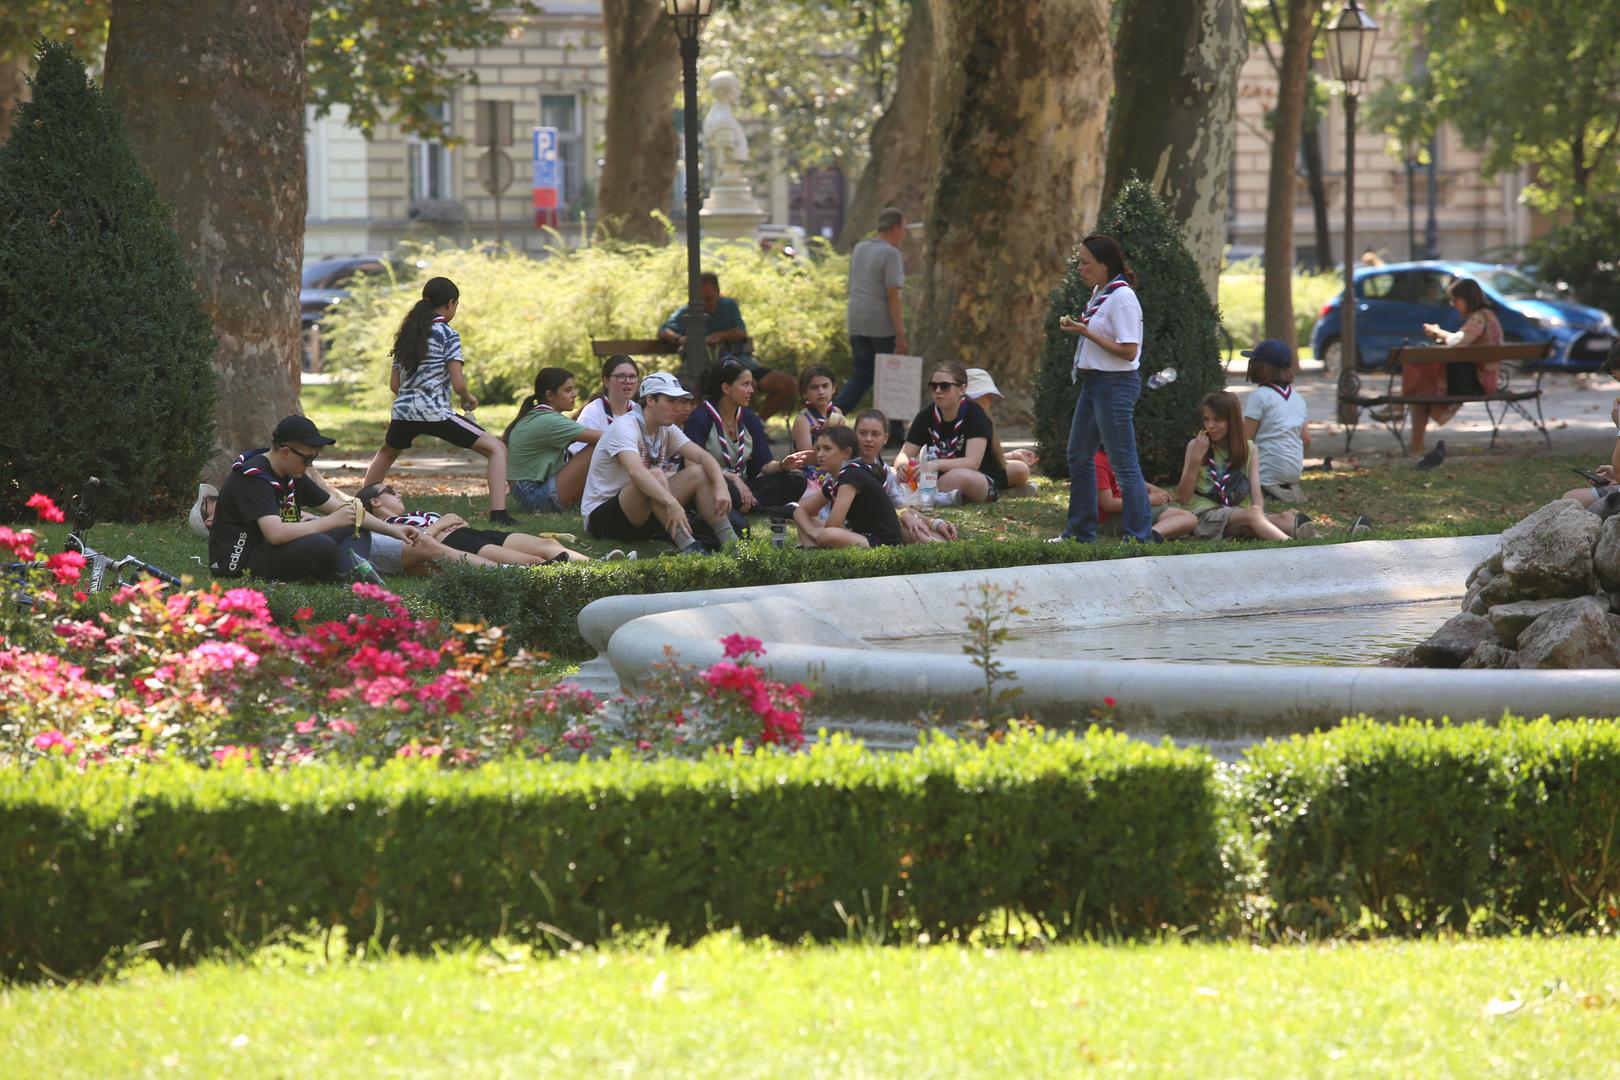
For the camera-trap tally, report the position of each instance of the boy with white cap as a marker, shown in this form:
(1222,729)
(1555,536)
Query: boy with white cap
(629,496)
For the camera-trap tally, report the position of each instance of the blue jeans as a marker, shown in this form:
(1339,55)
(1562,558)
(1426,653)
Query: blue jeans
(1106,416)
(864,351)
(539,495)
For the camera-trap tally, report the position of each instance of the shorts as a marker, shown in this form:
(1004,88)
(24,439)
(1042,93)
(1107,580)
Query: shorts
(1213,523)
(538,495)
(998,482)
(608,522)
(1599,493)
(387,554)
(472,541)
(1289,493)
(453,429)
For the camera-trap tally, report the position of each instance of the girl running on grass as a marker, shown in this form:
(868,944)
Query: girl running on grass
(427,366)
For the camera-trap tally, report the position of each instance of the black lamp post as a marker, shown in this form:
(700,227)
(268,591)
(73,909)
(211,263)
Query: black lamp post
(1350,40)
(688,16)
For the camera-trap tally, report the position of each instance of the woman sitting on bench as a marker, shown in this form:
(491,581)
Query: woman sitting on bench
(1451,380)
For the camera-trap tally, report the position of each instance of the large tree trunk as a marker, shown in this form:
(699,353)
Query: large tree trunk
(212,93)
(1311,153)
(1020,105)
(644,74)
(1176,68)
(900,167)
(1280,188)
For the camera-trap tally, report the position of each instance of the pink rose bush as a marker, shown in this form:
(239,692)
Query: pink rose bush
(207,675)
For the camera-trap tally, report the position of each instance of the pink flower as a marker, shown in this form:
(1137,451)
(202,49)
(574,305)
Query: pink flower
(247,601)
(49,740)
(223,656)
(226,754)
(342,727)
(66,565)
(21,543)
(304,727)
(304,614)
(46,509)
(738,645)
(1109,702)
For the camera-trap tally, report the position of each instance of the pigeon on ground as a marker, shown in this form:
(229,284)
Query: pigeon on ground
(1326,465)
(1434,457)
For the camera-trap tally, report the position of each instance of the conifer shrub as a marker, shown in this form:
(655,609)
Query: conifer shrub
(1179,323)
(106,345)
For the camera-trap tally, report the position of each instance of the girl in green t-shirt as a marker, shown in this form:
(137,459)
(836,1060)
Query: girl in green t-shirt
(1220,477)
(542,474)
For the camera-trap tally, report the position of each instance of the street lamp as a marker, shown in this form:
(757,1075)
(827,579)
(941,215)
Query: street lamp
(688,16)
(1350,40)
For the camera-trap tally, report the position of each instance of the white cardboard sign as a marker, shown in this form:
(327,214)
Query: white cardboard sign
(898,386)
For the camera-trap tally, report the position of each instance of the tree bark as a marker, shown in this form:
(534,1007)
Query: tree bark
(900,167)
(644,74)
(1020,104)
(212,94)
(1176,69)
(1311,153)
(1283,181)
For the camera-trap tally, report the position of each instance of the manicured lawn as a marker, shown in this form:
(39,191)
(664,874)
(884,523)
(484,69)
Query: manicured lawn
(1509,1008)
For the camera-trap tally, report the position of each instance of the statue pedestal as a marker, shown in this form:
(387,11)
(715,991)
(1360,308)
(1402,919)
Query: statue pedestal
(730,212)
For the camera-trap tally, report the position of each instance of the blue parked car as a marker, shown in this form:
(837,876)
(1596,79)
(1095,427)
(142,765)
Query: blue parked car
(1394,301)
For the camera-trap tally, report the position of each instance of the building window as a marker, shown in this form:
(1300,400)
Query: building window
(564,112)
(430,163)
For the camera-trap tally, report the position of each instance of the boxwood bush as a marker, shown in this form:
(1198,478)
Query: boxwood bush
(1420,827)
(1095,834)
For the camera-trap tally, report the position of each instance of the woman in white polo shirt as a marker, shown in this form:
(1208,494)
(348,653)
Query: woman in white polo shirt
(1107,360)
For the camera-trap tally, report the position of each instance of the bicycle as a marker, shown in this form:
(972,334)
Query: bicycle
(124,571)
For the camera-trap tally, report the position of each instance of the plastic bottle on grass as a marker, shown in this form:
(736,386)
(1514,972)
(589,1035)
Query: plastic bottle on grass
(928,478)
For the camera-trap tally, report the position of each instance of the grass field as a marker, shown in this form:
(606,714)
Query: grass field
(1501,1008)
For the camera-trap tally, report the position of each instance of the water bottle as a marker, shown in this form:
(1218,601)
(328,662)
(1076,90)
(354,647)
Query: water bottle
(928,478)
(778,530)
(364,571)
(1161,378)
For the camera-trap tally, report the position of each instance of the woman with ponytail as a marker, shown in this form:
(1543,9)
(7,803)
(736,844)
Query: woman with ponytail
(427,366)
(544,476)
(1107,360)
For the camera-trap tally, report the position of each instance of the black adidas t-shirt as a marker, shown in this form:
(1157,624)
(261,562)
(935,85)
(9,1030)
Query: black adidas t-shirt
(871,514)
(251,491)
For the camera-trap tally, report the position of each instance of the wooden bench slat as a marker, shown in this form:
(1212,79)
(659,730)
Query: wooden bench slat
(1469,354)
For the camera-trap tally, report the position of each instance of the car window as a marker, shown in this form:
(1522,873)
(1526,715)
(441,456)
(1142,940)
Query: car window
(1429,287)
(343,278)
(1514,286)
(1377,287)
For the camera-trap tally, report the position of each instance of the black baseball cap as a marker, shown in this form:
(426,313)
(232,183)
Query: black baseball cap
(299,429)
(1271,351)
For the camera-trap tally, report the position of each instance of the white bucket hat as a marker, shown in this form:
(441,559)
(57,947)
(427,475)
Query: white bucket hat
(980,385)
(195,520)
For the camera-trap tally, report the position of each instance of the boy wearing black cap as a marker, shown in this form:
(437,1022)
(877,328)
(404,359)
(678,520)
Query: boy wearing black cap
(259,523)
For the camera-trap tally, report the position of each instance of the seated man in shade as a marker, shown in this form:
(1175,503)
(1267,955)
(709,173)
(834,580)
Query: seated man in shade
(729,335)
(259,523)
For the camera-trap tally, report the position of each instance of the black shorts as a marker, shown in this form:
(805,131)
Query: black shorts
(472,541)
(453,429)
(608,522)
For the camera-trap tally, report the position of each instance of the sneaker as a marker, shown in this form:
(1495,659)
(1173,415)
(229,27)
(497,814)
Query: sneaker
(952,498)
(1304,527)
(615,555)
(502,517)
(1362,524)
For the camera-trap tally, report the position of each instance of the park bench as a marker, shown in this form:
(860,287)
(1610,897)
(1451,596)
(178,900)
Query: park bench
(1511,358)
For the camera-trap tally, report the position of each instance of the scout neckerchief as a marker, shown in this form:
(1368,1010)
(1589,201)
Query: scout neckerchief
(817,422)
(422,519)
(876,468)
(948,441)
(285,487)
(1099,296)
(830,483)
(732,453)
(1285,390)
(1225,487)
(648,446)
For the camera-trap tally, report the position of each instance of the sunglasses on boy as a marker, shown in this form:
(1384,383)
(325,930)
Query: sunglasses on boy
(307,459)
(943,386)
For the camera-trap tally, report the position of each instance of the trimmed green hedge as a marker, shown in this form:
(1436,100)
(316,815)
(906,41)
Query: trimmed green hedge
(539,609)
(1421,826)
(1094,834)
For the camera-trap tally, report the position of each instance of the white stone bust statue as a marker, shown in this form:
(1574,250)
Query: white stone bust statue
(722,131)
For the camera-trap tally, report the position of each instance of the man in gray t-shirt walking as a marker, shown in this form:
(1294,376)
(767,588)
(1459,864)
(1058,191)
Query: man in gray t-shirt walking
(876,276)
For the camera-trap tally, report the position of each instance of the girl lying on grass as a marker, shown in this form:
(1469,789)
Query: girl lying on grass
(1220,480)
(494,546)
(861,516)
(871,432)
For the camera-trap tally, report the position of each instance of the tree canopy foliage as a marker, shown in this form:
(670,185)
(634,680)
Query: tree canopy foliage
(1530,84)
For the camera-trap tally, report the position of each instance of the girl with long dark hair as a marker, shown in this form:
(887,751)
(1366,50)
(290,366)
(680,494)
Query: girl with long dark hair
(1107,362)
(544,476)
(427,366)
(1220,476)
(729,430)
